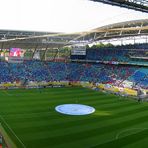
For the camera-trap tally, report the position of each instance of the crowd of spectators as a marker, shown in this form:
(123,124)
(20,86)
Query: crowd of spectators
(38,71)
(118,55)
(107,55)
(133,54)
(140,78)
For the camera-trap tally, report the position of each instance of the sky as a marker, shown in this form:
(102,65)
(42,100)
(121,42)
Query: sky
(61,15)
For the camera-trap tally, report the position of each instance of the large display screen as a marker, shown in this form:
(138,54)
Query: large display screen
(15,52)
(78,50)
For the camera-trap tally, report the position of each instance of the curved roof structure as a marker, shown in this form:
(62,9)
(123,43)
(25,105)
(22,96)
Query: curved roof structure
(28,39)
(118,30)
(34,39)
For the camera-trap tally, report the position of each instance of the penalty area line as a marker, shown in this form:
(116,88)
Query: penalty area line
(130,129)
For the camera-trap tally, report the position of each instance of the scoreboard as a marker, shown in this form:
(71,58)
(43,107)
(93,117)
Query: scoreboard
(78,50)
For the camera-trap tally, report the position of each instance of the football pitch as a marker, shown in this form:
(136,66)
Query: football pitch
(30,119)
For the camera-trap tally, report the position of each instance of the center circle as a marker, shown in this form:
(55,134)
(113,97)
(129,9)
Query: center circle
(75,109)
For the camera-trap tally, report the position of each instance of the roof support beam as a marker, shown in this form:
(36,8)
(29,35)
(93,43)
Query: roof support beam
(141,5)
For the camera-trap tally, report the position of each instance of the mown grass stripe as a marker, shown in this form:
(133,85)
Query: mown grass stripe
(63,119)
(89,133)
(125,140)
(50,129)
(59,129)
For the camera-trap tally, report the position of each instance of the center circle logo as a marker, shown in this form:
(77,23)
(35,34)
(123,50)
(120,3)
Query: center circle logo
(75,109)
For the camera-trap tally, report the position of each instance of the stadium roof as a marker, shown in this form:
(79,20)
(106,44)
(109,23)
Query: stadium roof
(119,30)
(33,39)
(139,5)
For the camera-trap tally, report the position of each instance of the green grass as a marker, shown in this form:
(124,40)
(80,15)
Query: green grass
(116,123)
